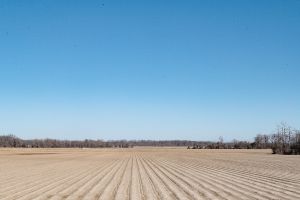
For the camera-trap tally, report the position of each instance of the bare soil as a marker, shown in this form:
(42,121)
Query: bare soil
(147,173)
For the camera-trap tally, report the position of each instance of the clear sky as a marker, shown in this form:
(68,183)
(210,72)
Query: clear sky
(148,69)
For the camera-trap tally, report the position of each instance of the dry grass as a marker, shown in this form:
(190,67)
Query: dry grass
(147,173)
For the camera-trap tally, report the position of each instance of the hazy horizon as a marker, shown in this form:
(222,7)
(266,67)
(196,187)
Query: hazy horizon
(156,70)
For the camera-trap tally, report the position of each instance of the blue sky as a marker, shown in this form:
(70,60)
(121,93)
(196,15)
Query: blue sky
(148,69)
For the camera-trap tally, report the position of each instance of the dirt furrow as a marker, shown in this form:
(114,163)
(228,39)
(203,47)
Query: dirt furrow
(196,190)
(262,189)
(162,188)
(67,188)
(123,191)
(114,185)
(223,190)
(86,187)
(210,189)
(231,184)
(35,184)
(45,185)
(179,190)
(137,191)
(99,187)
(150,190)
(147,173)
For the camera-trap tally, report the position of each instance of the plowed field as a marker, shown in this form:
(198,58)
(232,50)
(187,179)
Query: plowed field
(147,173)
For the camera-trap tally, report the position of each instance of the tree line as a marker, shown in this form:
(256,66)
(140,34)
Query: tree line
(13,141)
(285,140)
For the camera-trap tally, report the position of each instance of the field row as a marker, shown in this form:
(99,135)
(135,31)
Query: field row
(148,174)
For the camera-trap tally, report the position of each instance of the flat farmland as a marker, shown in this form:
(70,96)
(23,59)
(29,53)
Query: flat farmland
(147,173)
